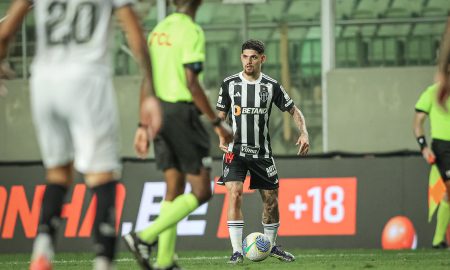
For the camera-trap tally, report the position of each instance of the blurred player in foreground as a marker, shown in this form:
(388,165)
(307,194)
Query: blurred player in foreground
(247,97)
(177,48)
(438,153)
(74,108)
(443,73)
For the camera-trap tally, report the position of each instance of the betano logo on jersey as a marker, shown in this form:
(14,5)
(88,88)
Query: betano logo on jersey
(238,110)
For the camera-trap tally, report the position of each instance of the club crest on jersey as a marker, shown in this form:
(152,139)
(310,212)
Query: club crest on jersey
(229,157)
(264,94)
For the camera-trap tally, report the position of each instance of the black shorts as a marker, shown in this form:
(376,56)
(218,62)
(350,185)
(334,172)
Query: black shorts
(263,173)
(442,151)
(183,142)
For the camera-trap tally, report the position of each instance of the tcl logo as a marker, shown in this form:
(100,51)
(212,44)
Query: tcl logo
(162,39)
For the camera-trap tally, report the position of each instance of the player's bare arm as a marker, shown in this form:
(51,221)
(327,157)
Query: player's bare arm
(11,23)
(150,112)
(222,144)
(419,133)
(303,139)
(443,72)
(221,128)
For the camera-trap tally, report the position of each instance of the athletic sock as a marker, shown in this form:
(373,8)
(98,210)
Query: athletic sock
(182,206)
(104,223)
(49,220)
(235,228)
(166,241)
(271,231)
(51,209)
(442,220)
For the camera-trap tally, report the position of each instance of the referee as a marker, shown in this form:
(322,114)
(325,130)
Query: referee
(427,105)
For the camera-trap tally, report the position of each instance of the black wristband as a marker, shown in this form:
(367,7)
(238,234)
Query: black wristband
(140,125)
(216,122)
(422,142)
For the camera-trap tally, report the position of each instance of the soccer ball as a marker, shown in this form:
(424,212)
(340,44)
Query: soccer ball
(256,247)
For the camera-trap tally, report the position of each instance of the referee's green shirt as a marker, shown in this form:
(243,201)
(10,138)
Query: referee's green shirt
(175,41)
(439,119)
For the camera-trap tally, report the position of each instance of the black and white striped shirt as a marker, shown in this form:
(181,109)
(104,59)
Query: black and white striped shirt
(249,104)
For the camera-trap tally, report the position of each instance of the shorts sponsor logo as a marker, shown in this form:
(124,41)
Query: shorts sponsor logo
(251,150)
(226,171)
(229,157)
(271,171)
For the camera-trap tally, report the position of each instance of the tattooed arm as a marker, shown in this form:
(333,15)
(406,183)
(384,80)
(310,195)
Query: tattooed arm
(303,139)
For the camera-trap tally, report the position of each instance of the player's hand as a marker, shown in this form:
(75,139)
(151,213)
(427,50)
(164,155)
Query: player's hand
(443,89)
(151,116)
(223,145)
(303,144)
(428,155)
(141,142)
(224,131)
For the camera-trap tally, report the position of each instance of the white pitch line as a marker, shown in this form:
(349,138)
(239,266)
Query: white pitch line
(224,257)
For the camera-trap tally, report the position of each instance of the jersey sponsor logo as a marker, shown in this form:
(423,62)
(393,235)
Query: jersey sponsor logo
(229,157)
(264,94)
(238,110)
(271,171)
(162,39)
(252,150)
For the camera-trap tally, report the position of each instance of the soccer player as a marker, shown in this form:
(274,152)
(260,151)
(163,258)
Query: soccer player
(439,151)
(443,72)
(247,97)
(177,48)
(74,108)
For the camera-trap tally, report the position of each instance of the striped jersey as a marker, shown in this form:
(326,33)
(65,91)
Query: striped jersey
(248,105)
(74,33)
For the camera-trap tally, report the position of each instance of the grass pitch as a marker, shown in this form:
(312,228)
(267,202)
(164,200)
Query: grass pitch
(306,259)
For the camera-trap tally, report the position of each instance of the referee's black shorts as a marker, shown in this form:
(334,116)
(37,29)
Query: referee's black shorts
(183,142)
(441,149)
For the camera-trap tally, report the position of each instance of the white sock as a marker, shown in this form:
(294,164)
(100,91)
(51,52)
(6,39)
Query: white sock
(43,246)
(235,228)
(103,263)
(271,231)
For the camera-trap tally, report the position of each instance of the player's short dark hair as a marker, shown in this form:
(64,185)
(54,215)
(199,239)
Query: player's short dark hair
(253,44)
(179,3)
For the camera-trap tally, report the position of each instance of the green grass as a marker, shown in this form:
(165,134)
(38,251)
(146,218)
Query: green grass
(306,259)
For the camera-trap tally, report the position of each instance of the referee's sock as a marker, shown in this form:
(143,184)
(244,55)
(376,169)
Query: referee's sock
(182,206)
(442,220)
(166,241)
